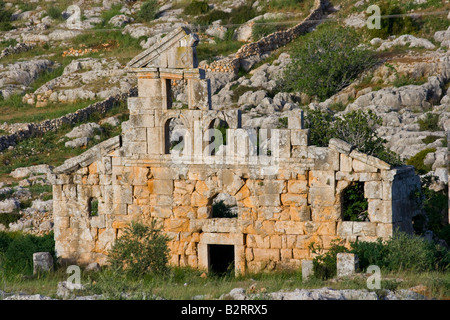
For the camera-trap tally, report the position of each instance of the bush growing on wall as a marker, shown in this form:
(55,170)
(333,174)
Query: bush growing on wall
(356,127)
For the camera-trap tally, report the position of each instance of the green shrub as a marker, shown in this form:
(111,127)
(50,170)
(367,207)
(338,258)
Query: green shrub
(356,127)
(115,285)
(221,210)
(242,14)
(324,264)
(430,123)
(142,249)
(212,16)
(16,250)
(196,8)
(354,205)
(237,15)
(430,139)
(434,205)
(148,11)
(5,18)
(337,107)
(395,25)
(285,4)
(370,253)
(108,14)
(404,80)
(417,161)
(54,13)
(7,218)
(326,61)
(282,123)
(402,252)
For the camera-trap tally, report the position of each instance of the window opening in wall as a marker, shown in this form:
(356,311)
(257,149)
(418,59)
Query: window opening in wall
(93,207)
(224,206)
(169,94)
(173,135)
(221,259)
(215,141)
(354,205)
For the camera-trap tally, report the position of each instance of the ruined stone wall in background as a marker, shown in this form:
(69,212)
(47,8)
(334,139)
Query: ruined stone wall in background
(251,53)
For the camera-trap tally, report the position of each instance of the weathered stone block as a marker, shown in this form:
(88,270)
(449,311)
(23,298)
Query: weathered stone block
(364,229)
(347,264)
(288,227)
(379,211)
(345,228)
(299,137)
(373,190)
(199,94)
(148,88)
(292,199)
(307,269)
(345,163)
(269,200)
(160,186)
(340,145)
(42,262)
(298,186)
(321,196)
(302,213)
(295,120)
(266,254)
(359,166)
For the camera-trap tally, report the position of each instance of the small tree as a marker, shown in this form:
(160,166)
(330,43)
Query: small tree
(393,23)
(196,8)
(141,250)
(5,18)
(326,61)
(148,11)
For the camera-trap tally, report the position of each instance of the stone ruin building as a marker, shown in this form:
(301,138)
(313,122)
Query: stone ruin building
(283,204)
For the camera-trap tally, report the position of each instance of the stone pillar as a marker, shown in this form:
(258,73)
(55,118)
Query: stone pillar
(347,264)
(307,269)
(42,262)
(198,89)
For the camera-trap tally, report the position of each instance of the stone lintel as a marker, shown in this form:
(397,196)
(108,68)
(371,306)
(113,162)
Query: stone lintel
(194,73)
(171,73)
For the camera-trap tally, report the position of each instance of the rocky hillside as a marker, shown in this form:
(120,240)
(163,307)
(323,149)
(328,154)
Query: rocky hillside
(59,57)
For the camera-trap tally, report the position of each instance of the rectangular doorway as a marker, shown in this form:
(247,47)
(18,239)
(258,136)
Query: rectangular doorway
(221,259)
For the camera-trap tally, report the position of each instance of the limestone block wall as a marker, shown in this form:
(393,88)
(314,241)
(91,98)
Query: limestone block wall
(279,216)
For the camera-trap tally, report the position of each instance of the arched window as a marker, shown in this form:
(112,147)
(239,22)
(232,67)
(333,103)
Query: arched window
(174,132)
(217,136)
